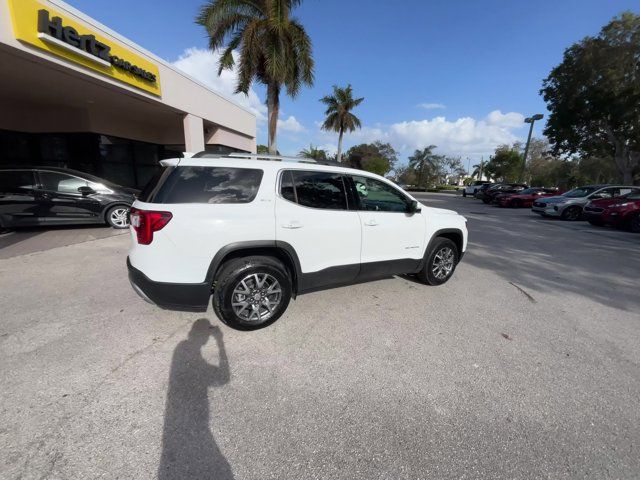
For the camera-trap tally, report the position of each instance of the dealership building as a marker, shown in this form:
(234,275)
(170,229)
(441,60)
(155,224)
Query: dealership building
(75,94)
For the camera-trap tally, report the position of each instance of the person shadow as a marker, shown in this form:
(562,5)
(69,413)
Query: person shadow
(189,450)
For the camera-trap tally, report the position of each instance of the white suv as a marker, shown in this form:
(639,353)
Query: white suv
(254,231)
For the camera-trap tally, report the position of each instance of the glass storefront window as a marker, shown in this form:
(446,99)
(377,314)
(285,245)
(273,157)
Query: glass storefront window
(130,163)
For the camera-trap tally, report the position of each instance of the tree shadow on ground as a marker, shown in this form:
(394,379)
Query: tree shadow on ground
(583,261)
(189,450)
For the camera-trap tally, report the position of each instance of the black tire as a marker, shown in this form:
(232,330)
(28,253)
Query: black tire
(634,223)
(486,200)
(427,275)
(231,276)
(464,193)
(571,213)
(114,216)
(596,223)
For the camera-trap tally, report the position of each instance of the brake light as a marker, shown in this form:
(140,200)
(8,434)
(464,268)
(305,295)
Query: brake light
(145,222)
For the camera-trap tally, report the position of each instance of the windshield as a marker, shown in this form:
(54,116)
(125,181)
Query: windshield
(579,192)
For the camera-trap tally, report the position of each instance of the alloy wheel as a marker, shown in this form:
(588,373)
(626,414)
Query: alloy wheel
(572,213)
(256,297)
(119,217)
(443,263)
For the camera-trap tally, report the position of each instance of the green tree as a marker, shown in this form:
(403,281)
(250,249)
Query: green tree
(427,165)
(455,167)
(405,175)
(478,170)
(338,114)
(593,96)
(313,152)
(505,164)
(274,48)
(262,149)
(376,157)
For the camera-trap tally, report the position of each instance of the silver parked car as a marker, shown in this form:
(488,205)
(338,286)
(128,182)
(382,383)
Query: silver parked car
(569,205)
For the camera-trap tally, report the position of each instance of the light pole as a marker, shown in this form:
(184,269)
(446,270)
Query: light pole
(530,120)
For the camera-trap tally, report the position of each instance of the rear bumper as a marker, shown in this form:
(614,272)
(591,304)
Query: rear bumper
(188,297)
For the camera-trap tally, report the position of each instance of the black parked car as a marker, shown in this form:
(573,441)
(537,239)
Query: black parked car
(58,196)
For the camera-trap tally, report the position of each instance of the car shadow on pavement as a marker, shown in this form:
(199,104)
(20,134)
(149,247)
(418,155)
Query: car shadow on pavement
(188,447)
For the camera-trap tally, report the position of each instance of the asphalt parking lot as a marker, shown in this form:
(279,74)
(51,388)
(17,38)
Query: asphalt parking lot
(525,365)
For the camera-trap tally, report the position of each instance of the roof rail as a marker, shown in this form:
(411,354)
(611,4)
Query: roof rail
(267,157)
(277,158)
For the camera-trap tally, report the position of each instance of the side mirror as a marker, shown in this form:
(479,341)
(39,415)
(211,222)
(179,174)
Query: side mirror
(86,190)
(413,207)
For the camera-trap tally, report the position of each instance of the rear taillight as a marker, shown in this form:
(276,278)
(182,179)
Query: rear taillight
(145,222)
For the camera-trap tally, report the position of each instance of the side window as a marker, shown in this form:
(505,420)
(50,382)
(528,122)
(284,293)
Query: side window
(378,196)
(207,185)
(316,190)
(16,181)
(624,191)
(59,182)
(286,187)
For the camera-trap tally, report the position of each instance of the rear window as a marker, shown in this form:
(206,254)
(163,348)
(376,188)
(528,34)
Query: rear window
(203,185)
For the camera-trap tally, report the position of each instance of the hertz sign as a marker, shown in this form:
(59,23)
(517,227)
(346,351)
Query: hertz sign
(47,29)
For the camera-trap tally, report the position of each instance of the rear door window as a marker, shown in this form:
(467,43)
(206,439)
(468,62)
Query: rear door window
(215,185)
(325,190)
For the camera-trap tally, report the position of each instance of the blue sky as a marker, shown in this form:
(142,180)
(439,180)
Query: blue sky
(457,74)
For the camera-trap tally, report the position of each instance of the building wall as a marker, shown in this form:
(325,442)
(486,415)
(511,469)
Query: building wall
(180,93)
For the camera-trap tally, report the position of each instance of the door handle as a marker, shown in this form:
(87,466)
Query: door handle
(371,223)
(292,225)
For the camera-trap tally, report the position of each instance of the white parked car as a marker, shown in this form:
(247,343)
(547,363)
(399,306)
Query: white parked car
(253,231)
(473,187)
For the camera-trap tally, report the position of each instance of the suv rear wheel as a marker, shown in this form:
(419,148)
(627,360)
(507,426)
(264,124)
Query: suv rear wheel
(441,262)
(251,292)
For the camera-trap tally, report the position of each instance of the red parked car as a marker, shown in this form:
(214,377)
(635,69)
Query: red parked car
(623,211)
(525,198)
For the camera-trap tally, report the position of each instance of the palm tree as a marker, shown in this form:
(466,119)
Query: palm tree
(313,152)
(422,158)
(339,117)
(477,170)
(274,48)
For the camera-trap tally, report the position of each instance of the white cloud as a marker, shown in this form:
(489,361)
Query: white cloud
(507,120)
(464,136)
(431,106)
(290,125)
(330,148)
(202,65)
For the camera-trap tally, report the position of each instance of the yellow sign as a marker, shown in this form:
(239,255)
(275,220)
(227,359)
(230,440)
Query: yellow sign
(51,30)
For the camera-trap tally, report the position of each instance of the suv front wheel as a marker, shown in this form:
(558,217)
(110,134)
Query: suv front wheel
(251,292)
(441,262)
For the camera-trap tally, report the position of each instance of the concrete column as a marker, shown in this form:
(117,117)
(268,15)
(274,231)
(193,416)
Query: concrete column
(193,133)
